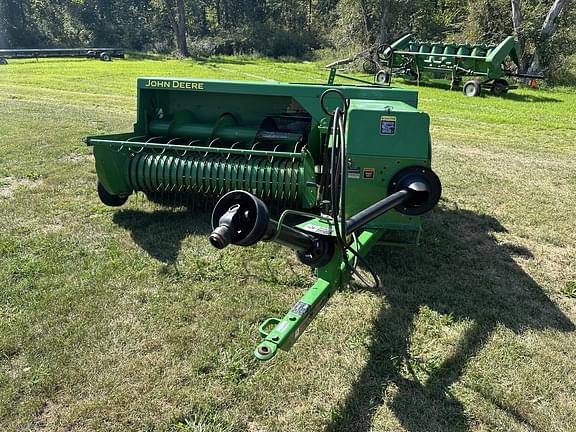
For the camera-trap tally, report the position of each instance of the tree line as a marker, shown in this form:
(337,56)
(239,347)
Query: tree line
(546,29)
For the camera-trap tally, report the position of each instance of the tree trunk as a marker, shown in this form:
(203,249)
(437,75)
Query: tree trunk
(549,26)
(181,36)
(178,23)
(518,33)
(516,16)
(384,34)
(366,22)
(218,13)
(547,30)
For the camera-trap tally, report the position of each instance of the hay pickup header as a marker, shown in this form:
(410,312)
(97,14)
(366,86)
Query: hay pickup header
(487,64)
(346,165)
(492,62)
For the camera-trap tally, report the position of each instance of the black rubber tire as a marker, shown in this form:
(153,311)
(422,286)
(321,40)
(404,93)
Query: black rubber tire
(382,77)
(472,88)
(3,61)
(369,67)
(412,75)
(455,84)
(105,56)
(500,87)
(109,199)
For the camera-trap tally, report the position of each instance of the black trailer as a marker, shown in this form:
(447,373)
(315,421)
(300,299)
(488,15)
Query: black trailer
(104,54)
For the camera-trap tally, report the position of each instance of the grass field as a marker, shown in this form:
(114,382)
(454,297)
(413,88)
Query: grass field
(128,320)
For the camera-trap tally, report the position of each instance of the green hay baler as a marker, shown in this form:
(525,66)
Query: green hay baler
(344,168)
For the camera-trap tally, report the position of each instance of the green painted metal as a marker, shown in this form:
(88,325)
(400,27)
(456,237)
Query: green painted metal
(383,155)
(205,138)
(282,177)
(330,277)
(411,56)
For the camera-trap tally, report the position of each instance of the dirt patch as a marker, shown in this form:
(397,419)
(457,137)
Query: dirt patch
(47,415)
(9,185)
(76,157)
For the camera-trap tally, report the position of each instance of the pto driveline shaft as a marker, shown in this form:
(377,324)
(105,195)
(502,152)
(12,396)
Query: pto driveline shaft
(365,216)
(290,237)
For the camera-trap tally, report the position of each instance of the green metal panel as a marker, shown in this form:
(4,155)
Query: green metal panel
(365,136)
(207,137)
(204,137)
(390,137)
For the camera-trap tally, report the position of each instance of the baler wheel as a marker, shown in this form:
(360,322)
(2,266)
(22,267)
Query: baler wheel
(109,199)
(105,56)
(3,61)
(383,77)
(472,88)
(500,87)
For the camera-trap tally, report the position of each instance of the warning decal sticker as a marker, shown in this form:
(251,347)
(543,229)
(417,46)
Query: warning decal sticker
(300,308)
(387,125)
(368,173)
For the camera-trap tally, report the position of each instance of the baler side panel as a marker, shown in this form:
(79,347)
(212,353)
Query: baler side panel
(382,139)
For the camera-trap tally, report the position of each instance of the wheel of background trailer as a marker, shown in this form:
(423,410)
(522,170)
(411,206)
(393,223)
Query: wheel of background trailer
(369,67)
(382,77)
(413,75)
(105,56)
(472,88)
(455,84)
(3,61)
(500,87)
(109,199)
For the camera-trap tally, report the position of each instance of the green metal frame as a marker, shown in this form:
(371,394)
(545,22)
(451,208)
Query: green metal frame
(330,278)
(184,119)
(413,56)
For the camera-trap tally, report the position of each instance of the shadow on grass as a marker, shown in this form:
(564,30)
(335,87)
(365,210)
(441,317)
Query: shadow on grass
(528,97)
(160,233)
(226,60)
(460,270)
(137,56)
(511,95)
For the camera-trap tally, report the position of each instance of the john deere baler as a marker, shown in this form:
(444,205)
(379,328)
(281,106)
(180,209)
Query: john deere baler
(346,164)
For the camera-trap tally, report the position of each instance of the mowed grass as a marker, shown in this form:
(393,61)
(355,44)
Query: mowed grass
(129,320)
